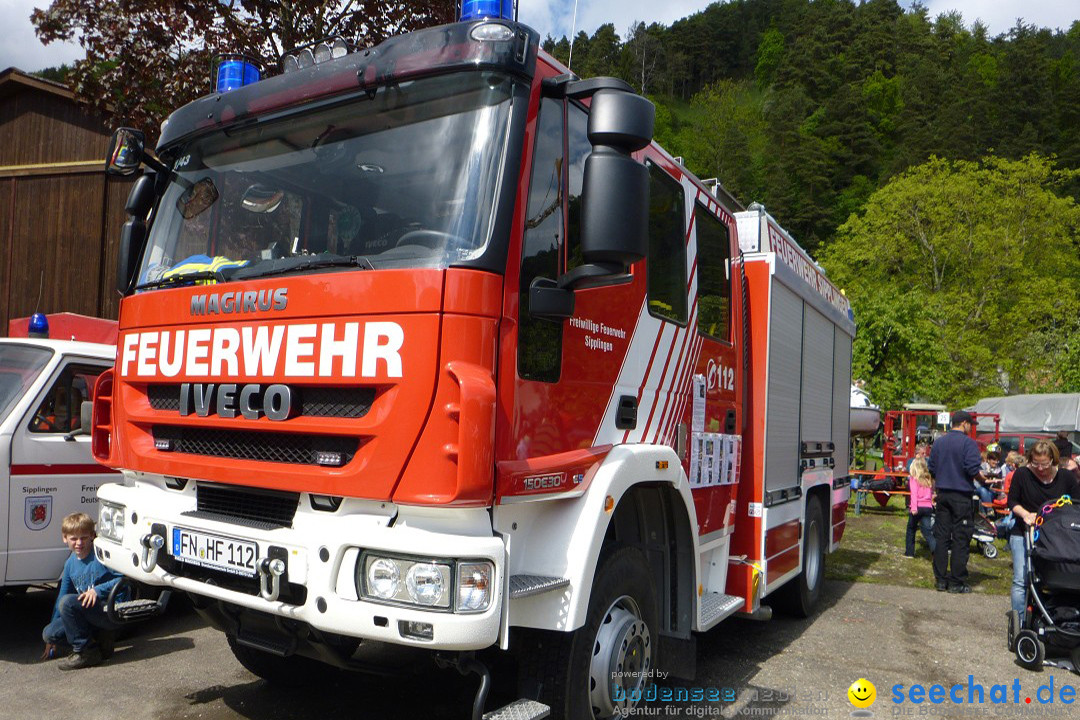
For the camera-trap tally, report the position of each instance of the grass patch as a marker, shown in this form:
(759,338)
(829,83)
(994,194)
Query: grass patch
(872,550)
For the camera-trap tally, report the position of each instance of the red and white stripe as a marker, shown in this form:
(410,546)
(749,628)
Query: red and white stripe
(659,363)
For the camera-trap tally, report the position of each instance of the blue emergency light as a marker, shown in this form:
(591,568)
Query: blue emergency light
(480,9)
(38,327)
(235,71)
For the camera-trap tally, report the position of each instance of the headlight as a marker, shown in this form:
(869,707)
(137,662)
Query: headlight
(474,586)
(111,522)
(383,578)
(425,583)
(406,581)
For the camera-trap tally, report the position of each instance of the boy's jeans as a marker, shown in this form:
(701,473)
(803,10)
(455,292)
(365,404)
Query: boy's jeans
(76,624)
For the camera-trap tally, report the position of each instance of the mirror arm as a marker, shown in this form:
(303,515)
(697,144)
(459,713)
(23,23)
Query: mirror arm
(591,274)
(569,86)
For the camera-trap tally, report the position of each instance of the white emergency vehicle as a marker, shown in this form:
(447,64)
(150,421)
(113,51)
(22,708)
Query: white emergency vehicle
(45,463)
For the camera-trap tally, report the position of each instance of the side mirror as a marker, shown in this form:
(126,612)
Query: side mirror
(615,192)
(548,300)
(126,152)
(86,411)
(133,235)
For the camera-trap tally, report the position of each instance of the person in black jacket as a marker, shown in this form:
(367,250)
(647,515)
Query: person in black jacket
(1041,481)
(955,464)
(1063,445)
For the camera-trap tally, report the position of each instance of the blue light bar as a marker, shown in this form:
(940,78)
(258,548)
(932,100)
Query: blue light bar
(235,72)
(479,9)
(38,327)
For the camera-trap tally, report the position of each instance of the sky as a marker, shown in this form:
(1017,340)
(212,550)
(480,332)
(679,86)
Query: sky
(20,48)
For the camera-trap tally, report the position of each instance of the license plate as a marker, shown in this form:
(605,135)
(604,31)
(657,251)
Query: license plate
(238,557)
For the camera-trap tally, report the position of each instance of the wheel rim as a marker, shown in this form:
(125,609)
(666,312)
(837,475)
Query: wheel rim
(1027,649)
(621,659)
(813,555)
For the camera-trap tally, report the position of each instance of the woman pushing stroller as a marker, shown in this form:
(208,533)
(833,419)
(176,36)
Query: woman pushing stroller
(1040,482)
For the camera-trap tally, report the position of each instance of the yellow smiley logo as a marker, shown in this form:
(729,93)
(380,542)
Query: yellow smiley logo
(862,693)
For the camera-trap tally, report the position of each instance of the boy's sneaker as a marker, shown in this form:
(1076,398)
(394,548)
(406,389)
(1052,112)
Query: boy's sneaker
(941,586)
(87,657)
(960,589)
(106,641)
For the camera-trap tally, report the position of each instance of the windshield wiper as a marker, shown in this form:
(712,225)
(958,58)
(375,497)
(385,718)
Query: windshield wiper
(301,263)
(186,278)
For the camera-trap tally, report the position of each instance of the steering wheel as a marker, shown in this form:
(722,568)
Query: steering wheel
(40,419)
(434,239)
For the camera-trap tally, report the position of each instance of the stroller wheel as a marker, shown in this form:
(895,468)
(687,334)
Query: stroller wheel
(989,550)
(1014,627)
(1030,650)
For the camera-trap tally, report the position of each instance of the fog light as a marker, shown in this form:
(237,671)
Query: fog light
(424,582)
(383,578)
(416,630)
(328,458)
(163,444)
(111,522)
(474,586)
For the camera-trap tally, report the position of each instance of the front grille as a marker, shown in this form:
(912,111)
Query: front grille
(164,397)
(292,448)
(308,400)
(250,506)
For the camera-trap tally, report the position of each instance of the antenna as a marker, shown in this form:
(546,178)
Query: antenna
(573,32)
(38,326)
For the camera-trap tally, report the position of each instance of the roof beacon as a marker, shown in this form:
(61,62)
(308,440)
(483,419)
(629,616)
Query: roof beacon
(481,9)
(235,71)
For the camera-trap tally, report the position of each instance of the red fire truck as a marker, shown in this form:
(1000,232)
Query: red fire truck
(429,345)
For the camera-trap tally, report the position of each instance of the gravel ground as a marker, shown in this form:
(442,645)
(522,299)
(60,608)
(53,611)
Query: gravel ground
(175,667)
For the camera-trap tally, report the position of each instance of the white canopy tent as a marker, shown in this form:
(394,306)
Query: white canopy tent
(1033,413)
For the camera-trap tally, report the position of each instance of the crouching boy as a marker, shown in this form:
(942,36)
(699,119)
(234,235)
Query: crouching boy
(79,617)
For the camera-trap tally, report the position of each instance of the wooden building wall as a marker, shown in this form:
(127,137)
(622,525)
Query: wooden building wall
(60,215)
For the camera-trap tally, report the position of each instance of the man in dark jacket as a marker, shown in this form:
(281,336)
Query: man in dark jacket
(955,465)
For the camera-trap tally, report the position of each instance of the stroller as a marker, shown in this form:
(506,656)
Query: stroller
(1053,588)
(985,531)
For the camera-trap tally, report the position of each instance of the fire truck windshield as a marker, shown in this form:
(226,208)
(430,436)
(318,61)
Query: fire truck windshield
(399,177)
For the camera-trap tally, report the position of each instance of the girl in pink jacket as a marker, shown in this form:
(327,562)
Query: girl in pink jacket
(921,486)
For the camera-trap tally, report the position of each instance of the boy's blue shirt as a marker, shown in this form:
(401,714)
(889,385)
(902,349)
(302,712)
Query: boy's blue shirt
(80,575)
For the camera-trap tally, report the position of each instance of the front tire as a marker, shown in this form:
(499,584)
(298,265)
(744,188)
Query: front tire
(603,668)
(1030,650)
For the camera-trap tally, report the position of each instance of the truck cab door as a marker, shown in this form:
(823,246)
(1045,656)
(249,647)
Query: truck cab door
(51,476)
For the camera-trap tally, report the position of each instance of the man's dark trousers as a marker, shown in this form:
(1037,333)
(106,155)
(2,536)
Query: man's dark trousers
(953,525)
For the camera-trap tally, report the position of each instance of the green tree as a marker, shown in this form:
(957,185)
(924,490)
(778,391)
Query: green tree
(965,280)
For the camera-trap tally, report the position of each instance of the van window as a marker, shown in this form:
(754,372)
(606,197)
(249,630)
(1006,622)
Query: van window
(60,411)
(1010,444)
(667,247)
